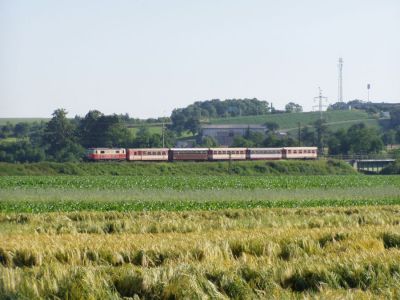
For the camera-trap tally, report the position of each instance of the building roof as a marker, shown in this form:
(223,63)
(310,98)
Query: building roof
(233,126)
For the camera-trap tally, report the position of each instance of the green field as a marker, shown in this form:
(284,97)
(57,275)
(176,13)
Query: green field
(13,121)
(200,237)
(337,119)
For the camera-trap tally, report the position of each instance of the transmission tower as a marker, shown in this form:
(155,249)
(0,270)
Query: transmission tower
(340,80)
(321,100)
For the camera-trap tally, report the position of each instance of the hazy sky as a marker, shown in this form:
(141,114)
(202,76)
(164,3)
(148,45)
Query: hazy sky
(146,57)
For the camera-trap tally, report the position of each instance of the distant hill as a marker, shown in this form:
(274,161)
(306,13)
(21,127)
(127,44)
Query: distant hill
(289,121)
(13,121)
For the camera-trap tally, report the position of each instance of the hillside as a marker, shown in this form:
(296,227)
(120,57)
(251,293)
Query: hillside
(13,121)
(287,121)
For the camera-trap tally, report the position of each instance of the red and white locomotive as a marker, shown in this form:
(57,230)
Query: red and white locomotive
(200,154)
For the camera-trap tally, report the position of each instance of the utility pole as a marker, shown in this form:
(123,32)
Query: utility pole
(321,99)
(163,140)
(299,133)
(162,131)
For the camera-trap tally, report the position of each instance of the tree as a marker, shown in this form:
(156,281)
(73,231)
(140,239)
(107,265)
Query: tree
(395,116)
(363,139)
(292,107)
(6,130)
(271,126)
(193,124)
(143,138)
(208,142)
(338,143)
(307,137)
(241,141)
(59,138)
(21,129)
(99,130)
(389,137)
(89,130)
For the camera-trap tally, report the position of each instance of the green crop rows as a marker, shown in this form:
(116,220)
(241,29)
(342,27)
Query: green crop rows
(195,182)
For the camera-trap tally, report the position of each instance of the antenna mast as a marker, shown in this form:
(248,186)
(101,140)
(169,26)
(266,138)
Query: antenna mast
(340,80)
(321,100)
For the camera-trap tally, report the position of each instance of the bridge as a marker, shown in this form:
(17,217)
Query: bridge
(366,163)
(370,165)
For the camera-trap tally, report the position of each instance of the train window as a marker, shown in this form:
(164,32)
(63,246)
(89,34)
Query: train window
(294,151)
(102,152)
(117,151)
(289,151)
(158,153)
(300,151)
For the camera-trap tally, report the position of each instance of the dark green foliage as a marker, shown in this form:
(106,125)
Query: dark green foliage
(292,107)
(5,258)
(358,139)
(332,238)
(393,168)
(391,240)
(25,258)
(189,118)
(21,151)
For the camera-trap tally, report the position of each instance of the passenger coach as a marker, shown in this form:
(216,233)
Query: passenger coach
(264,153)
(227,153)
(195,154)
(299,152)
(147,154)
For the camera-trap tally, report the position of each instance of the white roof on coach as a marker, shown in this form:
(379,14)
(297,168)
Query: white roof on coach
(295,148)
(149,149)
(225,149)
(276,148)
(189,149)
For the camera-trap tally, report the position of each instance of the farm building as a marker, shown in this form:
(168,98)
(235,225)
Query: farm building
(225,134)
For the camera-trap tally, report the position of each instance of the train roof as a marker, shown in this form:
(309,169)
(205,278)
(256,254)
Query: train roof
(227,148)
(148,149)
(271,148)
(295,148)
(100,148)
(189,149)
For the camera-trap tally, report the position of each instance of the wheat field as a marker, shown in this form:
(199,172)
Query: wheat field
(347,252)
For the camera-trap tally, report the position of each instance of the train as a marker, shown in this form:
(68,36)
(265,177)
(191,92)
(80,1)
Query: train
(199,154)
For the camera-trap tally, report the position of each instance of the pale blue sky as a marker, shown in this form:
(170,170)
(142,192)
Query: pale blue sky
(146,57)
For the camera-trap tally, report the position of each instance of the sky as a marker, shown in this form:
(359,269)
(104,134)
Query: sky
(147,57)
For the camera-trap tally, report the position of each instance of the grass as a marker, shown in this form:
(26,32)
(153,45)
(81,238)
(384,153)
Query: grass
(180,168)
(288,121)
(238,254)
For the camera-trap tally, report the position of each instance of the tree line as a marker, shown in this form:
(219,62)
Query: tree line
(63,139)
